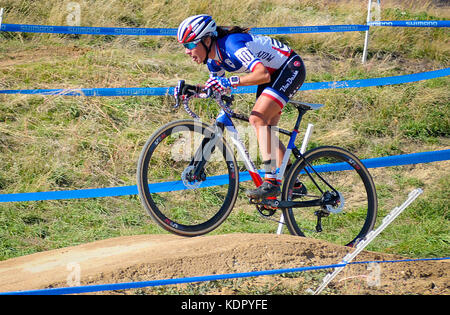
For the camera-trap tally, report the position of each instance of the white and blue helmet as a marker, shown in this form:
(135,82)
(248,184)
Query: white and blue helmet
(195,28)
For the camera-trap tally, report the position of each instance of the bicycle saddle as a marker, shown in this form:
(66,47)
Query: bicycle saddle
(304,105)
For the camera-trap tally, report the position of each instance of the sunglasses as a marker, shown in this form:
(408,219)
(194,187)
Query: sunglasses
(190,45)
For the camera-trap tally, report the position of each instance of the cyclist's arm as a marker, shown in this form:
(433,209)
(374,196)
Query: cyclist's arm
(244,57)
(214,69)
(259,75)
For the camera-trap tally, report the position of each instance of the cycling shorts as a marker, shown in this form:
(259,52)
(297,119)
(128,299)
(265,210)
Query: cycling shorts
(284,82)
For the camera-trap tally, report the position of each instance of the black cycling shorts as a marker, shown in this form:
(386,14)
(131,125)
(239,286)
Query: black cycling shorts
(284,82)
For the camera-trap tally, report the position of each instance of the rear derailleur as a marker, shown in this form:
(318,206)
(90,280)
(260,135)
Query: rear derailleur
(320,214)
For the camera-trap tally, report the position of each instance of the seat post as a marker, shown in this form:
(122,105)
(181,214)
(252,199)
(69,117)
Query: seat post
(301,112)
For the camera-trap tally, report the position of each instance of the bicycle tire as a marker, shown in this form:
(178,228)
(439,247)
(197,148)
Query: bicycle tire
(351,178)
(179,207)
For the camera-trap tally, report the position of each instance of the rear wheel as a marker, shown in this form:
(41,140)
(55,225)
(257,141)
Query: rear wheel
(353,213)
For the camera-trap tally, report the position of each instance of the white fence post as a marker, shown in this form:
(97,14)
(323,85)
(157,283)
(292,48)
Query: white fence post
(369,238)
(1,17)
(302,150)
(366,40)
(369,18)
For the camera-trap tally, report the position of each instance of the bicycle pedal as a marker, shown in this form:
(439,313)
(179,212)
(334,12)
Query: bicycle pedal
(254,201)
(265,211)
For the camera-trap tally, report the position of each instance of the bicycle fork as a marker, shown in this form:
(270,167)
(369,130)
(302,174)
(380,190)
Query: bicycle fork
(195,172)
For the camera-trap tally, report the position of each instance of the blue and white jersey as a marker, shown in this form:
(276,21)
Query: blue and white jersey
(241,52)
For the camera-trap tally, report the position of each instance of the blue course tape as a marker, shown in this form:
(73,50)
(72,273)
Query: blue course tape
(360,83)
(25,28)
(309,29)
(405,159)
(153,283)
(160,91)
(398,261)
(86,30)
(96,91)
(410,23)
(377,81)
(171,31)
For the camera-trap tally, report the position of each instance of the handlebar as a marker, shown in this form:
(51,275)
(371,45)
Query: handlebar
(186,92)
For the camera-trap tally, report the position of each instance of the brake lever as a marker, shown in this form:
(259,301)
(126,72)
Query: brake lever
(209,93)
(177,104)
(180,87)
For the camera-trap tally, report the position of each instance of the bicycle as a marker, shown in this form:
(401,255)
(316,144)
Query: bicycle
(188,178)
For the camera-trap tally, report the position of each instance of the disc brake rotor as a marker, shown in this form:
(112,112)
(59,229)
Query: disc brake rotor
(338,206)
(187,182)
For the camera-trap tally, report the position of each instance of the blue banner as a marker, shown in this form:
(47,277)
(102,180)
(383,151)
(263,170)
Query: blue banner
(396,160)
(410,23)
(214,277)
(88,30)
(159,91)
(155,91)
(308,29)
(171,31)
(152,283)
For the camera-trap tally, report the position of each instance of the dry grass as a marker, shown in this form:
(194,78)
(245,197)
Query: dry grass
(57,143)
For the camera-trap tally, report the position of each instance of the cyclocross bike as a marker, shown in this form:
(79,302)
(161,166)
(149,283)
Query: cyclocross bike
(188,178)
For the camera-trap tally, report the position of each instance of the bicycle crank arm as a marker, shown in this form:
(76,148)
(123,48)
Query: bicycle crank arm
(274,203)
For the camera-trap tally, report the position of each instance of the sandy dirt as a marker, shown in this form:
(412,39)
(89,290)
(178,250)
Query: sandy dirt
(154,257)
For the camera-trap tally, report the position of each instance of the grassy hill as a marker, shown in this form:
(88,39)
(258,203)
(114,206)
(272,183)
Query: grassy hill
(61,143)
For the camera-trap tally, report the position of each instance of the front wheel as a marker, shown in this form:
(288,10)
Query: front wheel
(187,178)
(353,212)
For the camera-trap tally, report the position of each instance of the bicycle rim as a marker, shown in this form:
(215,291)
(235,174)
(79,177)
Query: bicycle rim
(343,171)
(176,202)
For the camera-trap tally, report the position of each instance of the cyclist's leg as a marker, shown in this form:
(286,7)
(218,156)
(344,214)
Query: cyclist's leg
(265,114)
(271,98)
(275,141)
(289,82)
(284,84)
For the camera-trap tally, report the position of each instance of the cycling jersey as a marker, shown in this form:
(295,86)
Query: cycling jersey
(242,52)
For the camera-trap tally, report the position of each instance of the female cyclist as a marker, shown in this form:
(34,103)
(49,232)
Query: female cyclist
(275,68)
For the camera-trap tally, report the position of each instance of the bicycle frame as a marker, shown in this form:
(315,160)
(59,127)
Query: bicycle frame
(224,122)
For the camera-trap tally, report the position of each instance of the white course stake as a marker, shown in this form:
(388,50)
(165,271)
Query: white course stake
(1,17)
(302,150)
(369,238)
(369,18)
(366,39)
